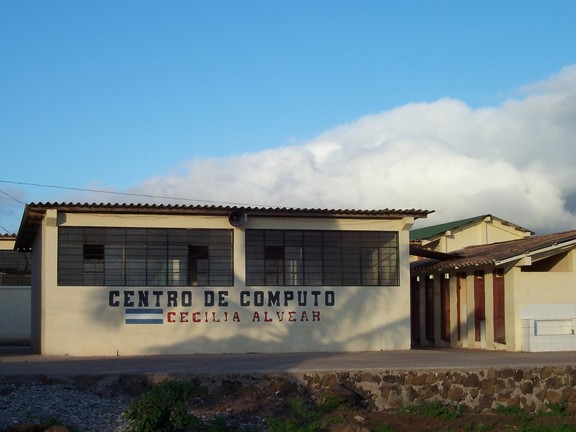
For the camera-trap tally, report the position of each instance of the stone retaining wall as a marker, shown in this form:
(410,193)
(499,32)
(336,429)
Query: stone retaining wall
(532,389)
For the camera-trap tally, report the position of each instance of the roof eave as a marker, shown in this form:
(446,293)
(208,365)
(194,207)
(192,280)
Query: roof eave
(558,247)
(34,213)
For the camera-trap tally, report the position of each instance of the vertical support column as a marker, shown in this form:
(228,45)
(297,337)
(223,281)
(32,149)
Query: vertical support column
(48,276)
(512,282)
(454,322)
(424,310)
(489,299)
(471,317)
(239,243)
(437,311)
(415,310)
(462,285)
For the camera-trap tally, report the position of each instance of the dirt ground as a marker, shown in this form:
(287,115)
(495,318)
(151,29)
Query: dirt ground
(290,408)
(251,409)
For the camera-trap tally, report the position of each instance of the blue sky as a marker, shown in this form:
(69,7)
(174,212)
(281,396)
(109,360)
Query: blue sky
(144,96)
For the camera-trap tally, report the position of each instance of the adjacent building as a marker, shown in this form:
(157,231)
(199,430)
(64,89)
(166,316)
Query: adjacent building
(128,279)
(516,295)
(15,268)
(455,235)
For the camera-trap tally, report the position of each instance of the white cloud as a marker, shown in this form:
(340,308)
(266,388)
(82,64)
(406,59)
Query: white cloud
(515,161)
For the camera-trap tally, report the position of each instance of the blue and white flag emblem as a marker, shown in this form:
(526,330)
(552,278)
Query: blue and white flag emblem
(144,316)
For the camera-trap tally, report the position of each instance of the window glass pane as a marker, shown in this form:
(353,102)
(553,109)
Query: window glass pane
(136,235)
(178,264)
(293,262)
(71,235)
(114,264)
(221,237)
(94,236)
(14,268)
(199,266)
(312,238)
(93,262)
(220,265)
(157,264)
(389,266)
(254,236)
(330,258)
(254,257)
(313,265)
(177,236)
(293,238)
(370,239)
(143,257)
(115,236)
(274,238)
(136,264)
(199,237)
(370,266)
(70,259)
(274,265)
(156,236)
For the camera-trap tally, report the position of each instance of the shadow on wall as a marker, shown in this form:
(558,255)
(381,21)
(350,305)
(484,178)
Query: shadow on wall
(248,319)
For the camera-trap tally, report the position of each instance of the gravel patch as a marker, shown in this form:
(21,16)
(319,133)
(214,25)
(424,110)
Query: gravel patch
(24,403)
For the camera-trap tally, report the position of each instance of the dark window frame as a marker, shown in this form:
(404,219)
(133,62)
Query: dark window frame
(15,268)
(105,256)
(277,257)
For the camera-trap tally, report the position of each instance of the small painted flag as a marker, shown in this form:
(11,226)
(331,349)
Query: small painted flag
(144,316)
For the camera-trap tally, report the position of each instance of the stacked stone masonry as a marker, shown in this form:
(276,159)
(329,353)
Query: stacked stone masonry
(481,390)
(531,389)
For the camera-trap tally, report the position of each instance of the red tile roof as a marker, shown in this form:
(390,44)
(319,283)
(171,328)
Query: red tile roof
(496,253)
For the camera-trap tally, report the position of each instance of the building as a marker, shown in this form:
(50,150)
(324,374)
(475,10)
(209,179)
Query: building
(15,270)
(451,236)
(517,295)
(127,279)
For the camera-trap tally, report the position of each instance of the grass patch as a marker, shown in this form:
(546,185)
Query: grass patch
(559,409)
(436,410)
(305,416)
(164,408)
(547,428)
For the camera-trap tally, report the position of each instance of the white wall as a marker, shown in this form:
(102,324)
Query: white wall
(14,307)
(14,314)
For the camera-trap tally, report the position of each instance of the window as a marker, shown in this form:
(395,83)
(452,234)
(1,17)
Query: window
(198,265)
(144,257)
(14,268)
(314,258)
(93,264)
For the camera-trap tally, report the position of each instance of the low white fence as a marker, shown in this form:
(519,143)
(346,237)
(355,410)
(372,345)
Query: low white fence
(548,327)
(15,315)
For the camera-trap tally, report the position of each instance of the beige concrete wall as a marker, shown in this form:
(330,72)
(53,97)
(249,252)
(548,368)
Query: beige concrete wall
(7,242)
(538,288)
(81,321)
(484,232)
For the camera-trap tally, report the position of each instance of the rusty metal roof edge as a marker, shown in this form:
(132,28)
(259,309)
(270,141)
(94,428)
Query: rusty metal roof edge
(34,212)
(216,209)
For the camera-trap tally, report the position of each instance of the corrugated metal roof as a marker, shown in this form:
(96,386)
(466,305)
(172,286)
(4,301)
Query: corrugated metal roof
(34,212)
(494,253)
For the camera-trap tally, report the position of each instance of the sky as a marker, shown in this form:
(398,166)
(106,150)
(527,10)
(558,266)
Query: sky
(460,107)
